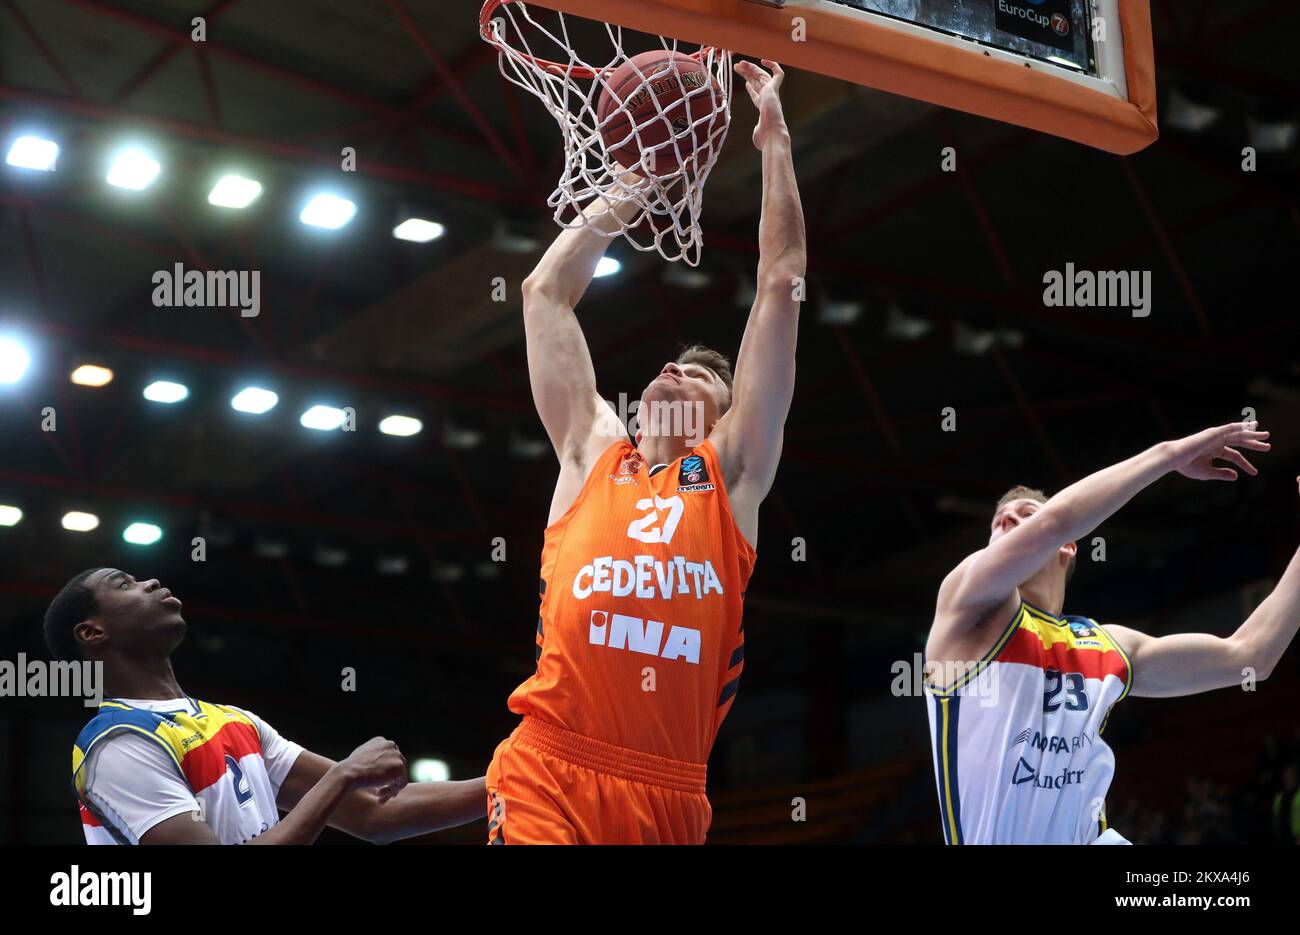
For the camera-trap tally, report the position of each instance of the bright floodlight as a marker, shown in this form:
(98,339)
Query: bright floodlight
(80,522)
(10,515)
(133,169)
(322,418)
(254,399)
(14,360)
(418,230)
(32,152)
(401,425)
(428,770)
(162,391)
(607,266)
(234,191)
(142,534)
(92,375)
(328,211)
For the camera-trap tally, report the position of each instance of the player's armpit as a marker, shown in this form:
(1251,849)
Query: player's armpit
(954,635)
(187,828)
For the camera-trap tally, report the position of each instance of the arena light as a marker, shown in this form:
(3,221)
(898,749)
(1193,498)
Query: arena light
(402,426)
(328,211)
(429,770)
(607,266)
(684,277)
(418,230)
(14,360)
(839,313)
(1272,136)
(133,169)
(76,521)
(463,439)
(270,548)
(234,191)
(92,375)
(331,557)
(528,448)
(322,418)
(1183,113)
(10,515)
(392,564)
(33,152)
(142,534)
(898,324)
(254,399)
(164,391)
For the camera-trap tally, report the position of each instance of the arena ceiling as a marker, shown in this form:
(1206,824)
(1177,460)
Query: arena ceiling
(926,294)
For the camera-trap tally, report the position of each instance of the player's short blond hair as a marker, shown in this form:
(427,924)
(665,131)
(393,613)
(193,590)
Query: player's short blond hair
(716,361)
(1021,492)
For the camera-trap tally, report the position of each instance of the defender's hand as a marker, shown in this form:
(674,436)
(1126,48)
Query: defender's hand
(377,764)
(765,91)
(1194,455)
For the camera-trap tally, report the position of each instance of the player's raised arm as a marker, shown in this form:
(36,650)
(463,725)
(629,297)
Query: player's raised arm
(749,435)
(1187,663)
(991,576)
(559,364)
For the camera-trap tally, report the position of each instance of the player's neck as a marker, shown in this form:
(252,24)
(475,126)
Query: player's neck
(663,449)
(144,679)
(1045,593)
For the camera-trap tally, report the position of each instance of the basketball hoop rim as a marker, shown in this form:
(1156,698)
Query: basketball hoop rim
(573,71)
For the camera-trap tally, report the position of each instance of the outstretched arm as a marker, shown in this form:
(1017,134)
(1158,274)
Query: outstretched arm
(1187,663)
(418,808)
(991,576)
(748,437)
(559,363)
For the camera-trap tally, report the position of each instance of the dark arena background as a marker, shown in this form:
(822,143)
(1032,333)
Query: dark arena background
(329,550)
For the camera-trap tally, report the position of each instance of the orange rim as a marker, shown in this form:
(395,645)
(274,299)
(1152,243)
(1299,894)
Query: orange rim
(574,71)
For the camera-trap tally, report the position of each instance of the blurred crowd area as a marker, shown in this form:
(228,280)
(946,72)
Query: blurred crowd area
(1265,810)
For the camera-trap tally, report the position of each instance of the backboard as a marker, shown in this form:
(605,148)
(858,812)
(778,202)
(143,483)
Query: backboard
(1079,69)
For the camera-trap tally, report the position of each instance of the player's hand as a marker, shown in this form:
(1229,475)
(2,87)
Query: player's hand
(377,764)
(764,89)
(1194,456)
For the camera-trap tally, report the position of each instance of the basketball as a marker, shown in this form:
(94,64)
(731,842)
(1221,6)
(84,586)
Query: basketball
(629,113)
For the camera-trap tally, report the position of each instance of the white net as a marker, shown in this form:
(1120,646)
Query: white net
(663,114)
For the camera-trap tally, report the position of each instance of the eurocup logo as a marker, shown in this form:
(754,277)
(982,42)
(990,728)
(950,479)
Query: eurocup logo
(1061,24)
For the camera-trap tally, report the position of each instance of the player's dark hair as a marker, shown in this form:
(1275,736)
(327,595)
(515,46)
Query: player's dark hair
(74,605)
(716,361)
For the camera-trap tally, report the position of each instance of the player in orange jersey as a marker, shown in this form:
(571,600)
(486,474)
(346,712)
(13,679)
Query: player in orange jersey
(649,547)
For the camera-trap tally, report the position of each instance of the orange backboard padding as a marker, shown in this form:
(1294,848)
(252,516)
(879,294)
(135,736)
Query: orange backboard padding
(863,52)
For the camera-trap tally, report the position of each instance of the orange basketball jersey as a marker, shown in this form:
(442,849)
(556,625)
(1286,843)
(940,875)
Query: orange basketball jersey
(642,573)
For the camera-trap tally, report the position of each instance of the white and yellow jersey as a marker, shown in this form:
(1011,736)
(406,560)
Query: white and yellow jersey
(1018,753)
(140,762)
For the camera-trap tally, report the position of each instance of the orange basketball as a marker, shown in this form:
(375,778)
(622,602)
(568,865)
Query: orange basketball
(630,121)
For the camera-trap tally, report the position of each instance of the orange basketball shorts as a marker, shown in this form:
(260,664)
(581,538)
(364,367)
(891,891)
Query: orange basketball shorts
(548,785)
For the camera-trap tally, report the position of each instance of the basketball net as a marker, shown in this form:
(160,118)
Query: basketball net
(543,62)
